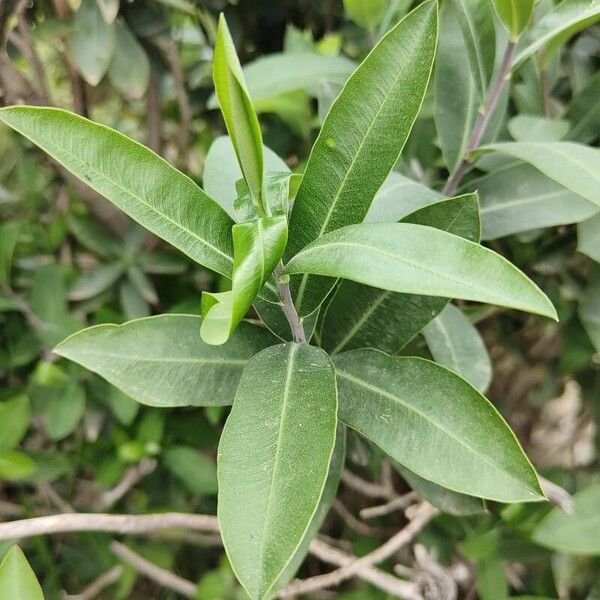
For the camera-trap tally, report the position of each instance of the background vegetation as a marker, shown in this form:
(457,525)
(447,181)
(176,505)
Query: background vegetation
(69,441)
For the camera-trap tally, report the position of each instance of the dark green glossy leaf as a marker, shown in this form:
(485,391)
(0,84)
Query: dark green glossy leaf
(281,433)
(436,424)
(161,361)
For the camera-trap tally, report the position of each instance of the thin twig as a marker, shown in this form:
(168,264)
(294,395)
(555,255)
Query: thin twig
(384,581)
(557,495)
(421,517)
(161,576)
(131,524)
(291,314)
(399,503)
(153,116)
(54,497)
(98,585)
(483,119)
(130,479)
(367,488)
(353,523)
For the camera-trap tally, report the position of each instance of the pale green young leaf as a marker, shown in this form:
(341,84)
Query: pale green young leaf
(398,197)
(515,14)
(532,128)
(588,237)
(238,112)
(455,343)
(416,259)
(258,248)
(161,361)
(518,198)
(577,533)
(138,181)
(279,74)
(434,423)
(476,21)
(366,13)
(92,42)
(222,171)
(14,421)
(15,465)
(358,316)
(361,139)
(63,411)
(557,27)
(129,69)
(446,500)
(574,166)
(17,579)
(281,432)
(197,472)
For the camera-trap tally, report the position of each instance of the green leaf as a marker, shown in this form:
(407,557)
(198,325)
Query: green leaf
(531,128)
(14,421)
(358,316)
(515,14)
(93,236)
(9,233)
(131,176)
(589,309)
(196,471)
(17,580)
(96,281)
(588,237)
(557,27)
(427,418)
(64,411)
(132,304)
(366,13)
(583,112)
(129,70)
(575,166)
(92,42)
(258,248)
(398,197)
(238,112)
(518,198)
(476,21)
(281,432)
(455,343)
(578,533)
(161,361)
(279,74)
(415,259)
(446,500)
(15,465)
(348,164)
(109,9)
(222,171)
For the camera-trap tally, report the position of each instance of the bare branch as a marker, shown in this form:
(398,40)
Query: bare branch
(132,524)
(159,575)
(367,488)
(399,503)
(421,516)
(130,479)
(98,585)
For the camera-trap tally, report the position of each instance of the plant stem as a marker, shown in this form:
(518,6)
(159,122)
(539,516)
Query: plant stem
(483,119)
(291,314)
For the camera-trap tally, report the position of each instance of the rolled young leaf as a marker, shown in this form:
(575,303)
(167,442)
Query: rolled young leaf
(358,316)
(361,139)
(436,424)
(258,247)
(161,361)
(416,259)
(273,461)
(135,179)
(574,166)
(238,112)
(515,14)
